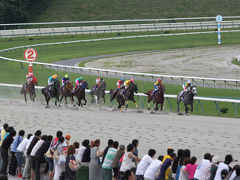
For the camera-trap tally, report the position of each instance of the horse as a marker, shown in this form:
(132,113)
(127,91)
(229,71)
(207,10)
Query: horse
(157,99)
(99,92)
(129,94)
(54,92)
(80,94)
(66,92)
(122,96)
(188,98)
(30,89)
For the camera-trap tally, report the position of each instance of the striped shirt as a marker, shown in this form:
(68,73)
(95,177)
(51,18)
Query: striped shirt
(109,158)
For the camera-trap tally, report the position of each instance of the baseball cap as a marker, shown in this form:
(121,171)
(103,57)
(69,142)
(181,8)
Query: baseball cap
(67,137)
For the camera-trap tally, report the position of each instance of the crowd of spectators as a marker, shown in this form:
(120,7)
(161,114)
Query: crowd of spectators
(37,154)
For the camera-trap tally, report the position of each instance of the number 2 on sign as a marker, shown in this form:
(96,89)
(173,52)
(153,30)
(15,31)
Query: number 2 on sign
(30,54)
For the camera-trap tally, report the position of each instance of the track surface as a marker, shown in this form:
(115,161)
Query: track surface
(201,134)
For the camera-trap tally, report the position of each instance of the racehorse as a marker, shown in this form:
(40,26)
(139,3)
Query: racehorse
(99,92)
(122,96)
(66,92)
(187,99)
(157,99)
(129,94)
(30,89)
(80,94)
(53,93)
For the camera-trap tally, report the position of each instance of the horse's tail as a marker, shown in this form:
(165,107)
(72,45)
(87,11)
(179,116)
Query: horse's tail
(43,91)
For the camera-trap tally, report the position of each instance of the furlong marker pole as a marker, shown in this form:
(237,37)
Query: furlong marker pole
(219,33)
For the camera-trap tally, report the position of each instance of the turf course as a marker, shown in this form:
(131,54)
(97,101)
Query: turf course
(15,72)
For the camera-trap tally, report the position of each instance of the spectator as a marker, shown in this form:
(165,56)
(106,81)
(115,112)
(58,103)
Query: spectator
(176,162)
(183,174)
(76,146)
(214,167)
(3,131)
(106,166)
(20,151)
(33,154)
(82,148)
(165,165)
(94,166)
(39,155)
(191,168)
(84,158)
(202,172)
(16,142)
(170,150)
(4,152)
(69,174)
(28,163)
(115,163)
(58,150)
(125,169)
(237,177)
(222,166)
(135,143)
(144,163)
(110,144)
(224,174)
(153,169)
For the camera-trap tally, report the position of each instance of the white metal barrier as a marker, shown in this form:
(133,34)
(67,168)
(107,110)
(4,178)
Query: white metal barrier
(142,94)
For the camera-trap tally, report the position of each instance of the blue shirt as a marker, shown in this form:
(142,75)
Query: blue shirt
(16,142)
(164,167)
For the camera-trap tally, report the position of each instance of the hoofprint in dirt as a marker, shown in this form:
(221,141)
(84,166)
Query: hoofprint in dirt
(199,133)
(213,61)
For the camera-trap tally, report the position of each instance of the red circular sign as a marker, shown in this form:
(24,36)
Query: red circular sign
(30,54)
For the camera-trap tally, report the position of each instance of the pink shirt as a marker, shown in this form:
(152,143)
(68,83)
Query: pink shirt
(191,168)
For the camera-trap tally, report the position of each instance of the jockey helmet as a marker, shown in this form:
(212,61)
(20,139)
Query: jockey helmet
(54,76)
(101,79)
(159,80)
(51,78)
(66,76)
(132,80)
(189,83)
(81,78)
(30,74)
(122,79)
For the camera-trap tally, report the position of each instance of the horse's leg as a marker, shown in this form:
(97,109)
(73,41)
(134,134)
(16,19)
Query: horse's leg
(104,99)
(60,101)
(192,107)
(127,104)
(135,102)
(161,106)
(66,100)
(47,100)
(178,102)
(186,109)
(156,106)
(25,97)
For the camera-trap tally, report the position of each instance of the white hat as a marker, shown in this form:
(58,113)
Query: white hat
(215,159)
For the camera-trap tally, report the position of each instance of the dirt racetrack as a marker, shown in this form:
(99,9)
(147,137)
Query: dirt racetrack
(199,133)
(212,62)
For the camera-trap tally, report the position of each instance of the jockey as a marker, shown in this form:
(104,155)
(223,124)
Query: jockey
(127,83)
(98,82)
(156,86)
(51,80)
(79,84)
(65,80)
(29,78)
(120,84)
(186,87)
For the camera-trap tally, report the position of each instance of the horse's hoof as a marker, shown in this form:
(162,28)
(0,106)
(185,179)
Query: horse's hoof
(139,111)
(47,106)
(179,113)
(153,112)
(148,108)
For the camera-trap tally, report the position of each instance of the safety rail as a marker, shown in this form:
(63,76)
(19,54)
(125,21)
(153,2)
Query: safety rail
(235,102)
(189,26)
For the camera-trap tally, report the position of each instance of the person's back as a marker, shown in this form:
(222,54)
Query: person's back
(223,165)
(152,170)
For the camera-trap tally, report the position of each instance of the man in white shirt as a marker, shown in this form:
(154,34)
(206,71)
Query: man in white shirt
(200,167)
(20,151)
(144,163)
(153,169)
(82,148)
(222,166)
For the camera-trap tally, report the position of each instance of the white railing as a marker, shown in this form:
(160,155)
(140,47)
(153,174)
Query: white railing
(117,28)
(142,94)
(116,21)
